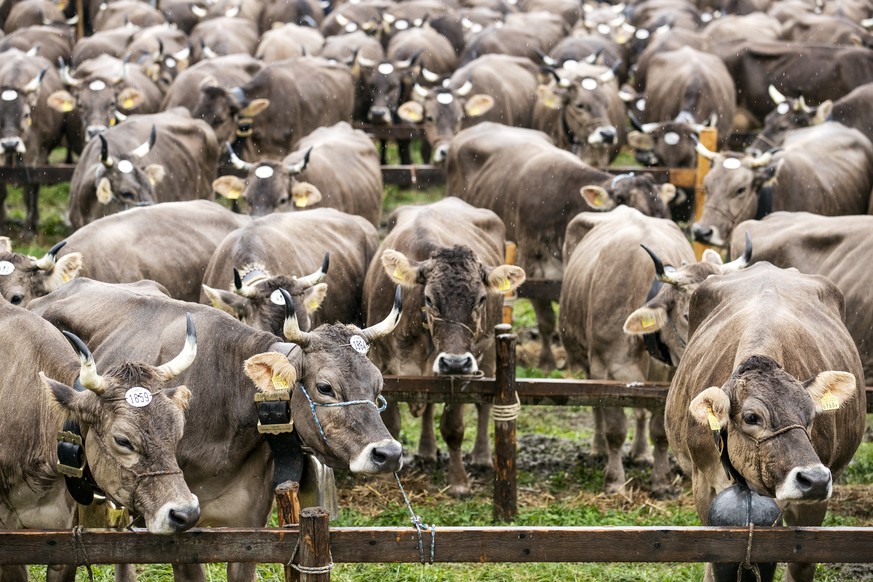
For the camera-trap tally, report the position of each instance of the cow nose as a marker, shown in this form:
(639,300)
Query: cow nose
(701,232)
(93,131)
(379,115)
(440,152)
(387,457)
(10,144)
(184,518)
(608,135)
(813,482)
(455,364)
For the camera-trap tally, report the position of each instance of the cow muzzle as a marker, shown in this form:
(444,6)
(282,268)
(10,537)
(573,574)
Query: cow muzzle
(605,135)
(440,153)
(384,456)
(706,234)
(175,517)
(379,115)
(93,131)
(11,145)
(450,364)
(810,483)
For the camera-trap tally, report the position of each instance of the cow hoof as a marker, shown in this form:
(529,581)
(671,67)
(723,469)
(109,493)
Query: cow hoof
(645,459)
(613,488)
(483,462)
(664,492)
(459,491)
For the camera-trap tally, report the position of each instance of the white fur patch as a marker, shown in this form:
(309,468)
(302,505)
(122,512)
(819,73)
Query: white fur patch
(671,138)
(97,85)
(732,164)
(9,95)
(264,172)
(276,298)
(385,68)
(125,167)
(359,344)
(445,98)
(603,28)
(138,397)
(589,84)
(6,267)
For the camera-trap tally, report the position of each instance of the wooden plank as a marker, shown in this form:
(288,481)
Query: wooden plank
(54,174)
(453,544)
(389,132)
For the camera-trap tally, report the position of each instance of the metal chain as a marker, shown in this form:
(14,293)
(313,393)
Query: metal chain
(418,525)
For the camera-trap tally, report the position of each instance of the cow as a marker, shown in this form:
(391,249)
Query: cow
(772,374)
(738,28)
(193,85)
(595,301)
(310,176)
(50,42)
(146,243)
(120,13)
(122,169)
(31,13)
(308,13)
(29,128)
(100,93)
(498,167)
(121,423)
(351,17)
(826,169)
(683,89)
(107,42)
(286,250)
(224,36)
(493,87)
(590,48)
(580,109)
(226,461)
(287,41)
(162,51)
(497,39)
(23,277)
(833,246)
(448,257)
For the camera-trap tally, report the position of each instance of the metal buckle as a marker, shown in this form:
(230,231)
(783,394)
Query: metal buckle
(274,396)
(68,470)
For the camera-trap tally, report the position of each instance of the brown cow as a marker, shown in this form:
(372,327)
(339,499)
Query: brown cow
(449,258)
(595,300)
(227,463)
(23,278)
(771,371)
(537,188)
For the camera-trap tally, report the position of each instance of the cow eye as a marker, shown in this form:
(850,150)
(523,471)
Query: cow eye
(751,418)
(482,300)
(16,299)
(283,200)
(428,301)
(429,118)
(324,388)
(123,442)
(741,190)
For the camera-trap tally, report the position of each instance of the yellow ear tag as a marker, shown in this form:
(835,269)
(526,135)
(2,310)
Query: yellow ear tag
(112,121)
(398,273)
(312,305)
(128,103)
(504,286)
(66,278)
(301,201)
(233,193)
(280,383)
(829,401)
(714,424)
(67,106)
(647,321)
(600,200)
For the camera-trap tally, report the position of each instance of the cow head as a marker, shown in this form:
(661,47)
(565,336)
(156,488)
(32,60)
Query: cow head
(332,380)
(670,144)
(121,181)
(768,415)
(738,188)
(663,320)
(163,67)
(637,191)
(790,113)
(583,96)
(456,288)
(16,109)
(132,423)
(385,84)
(442,112)
(100,101)
(269,187)
(226,110)
(23,278)
(255,298)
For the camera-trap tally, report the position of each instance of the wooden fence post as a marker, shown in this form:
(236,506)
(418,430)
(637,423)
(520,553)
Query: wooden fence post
(511,253)
(314,547)
(709,138)
(505,410)
(288,508)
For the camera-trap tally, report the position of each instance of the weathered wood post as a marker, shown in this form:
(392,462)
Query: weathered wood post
(709,138)
(314,545)
(288,508)
(505,411)
(511,253)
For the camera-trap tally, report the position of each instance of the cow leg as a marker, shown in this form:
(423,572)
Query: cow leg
(615,424)
(383,152)
(391,418)
(13,573)
(598,442)
(244,572)
(59,573)
(427,448)
(452,431)
(425,150)
(482,446)
(546,324)
(806,515)
(660,461)
(640,446)
(2,207)
(189,573)
(404,151)
(125,573)
(31,201)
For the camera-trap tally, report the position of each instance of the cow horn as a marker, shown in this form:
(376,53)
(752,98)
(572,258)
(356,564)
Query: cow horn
(702,149)
(429,75)
(610,75)
(123,74)
(189,351)
(643,127)
(465,89)
(408,62)
(364,61)
(120,116)
(777,97)
(147,145)
(291,329)
(67,78)
(592,58)
(48,260)
(388,324)
(206,52)
(800,105)
(239,288)
(318,276)
(420,91)
(198,11)
(300,166)
(236,161)
(743,260)
(105,158)
(34,83)
(160,52)
(660,273)
(88,376)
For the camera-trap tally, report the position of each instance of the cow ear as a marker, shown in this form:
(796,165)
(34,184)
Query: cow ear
(823,112)
(645,320)
(82,406)
(411,111)
(254,107)
(478,105)
(667,193)
(65,269)
(400,268)
(61,101)
(640,141)
(710,407)
(230,187)
(305,194)
(130,98)
(5,244)
(830,390)
(104,191)
(156,173)
(711,256)
(271,371)
(226,301)
(597,198)
(548,98)
(505,278)
(314,297)
(180,396)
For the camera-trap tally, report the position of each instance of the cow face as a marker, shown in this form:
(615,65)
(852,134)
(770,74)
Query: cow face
(224,110)
(122,181)
(737,189)
(163,68)
(23,278)
(457,289)
(269,187)
(768,415)
(789,114)
(332,380)
(384,86)
(132,423)
(669,144)
(16,109)
(638,192)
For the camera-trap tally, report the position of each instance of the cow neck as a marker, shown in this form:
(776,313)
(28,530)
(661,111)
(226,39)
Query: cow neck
(653,342)
(568,133)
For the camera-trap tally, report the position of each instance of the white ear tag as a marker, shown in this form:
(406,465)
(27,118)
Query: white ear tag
(359,344)
(125,167)
(276,298)
(385,68)
(641,34)
(401,25)
(783,108)
(640,104)
(732,164)
(9,95)
(138,397)
(97,85)
(6,267)
(170,62)
(444,98)
(351,27)
(264,172)
(589,84)
(671,138)
(603,28)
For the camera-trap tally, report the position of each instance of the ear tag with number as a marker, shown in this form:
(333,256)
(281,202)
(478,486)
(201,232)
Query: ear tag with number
(647,321)
(138,397)
(714,424)
(732,164)
(280,383)
(504,285)
(6,267)
(829,401)
(359,344)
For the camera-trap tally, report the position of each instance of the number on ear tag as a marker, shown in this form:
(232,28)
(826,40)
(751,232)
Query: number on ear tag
(280,383)
(829,401)
(714,424)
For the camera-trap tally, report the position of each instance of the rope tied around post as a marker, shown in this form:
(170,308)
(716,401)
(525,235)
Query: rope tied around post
(312,570)
(747,564)
(508,412)
(419,526)
(79,548)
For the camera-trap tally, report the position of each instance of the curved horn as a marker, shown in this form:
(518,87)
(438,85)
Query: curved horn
(67,78)
(189,351)
(702,149)
(291,329)
(465,89)
(122,75)
(592,58)
(236,161)
(88,376)
(420,91)
(801,105)
(105,158)
(48,260)
(388,324)
(365,62)
(318,276)
(660,273)
(743,260)
(635,122)
(762,160)
(777,97)
(156,56)
(300,166)
(144,148)
(34,83)
(239,288)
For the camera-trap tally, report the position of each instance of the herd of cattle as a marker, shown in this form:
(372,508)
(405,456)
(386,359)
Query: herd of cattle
(163,108)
